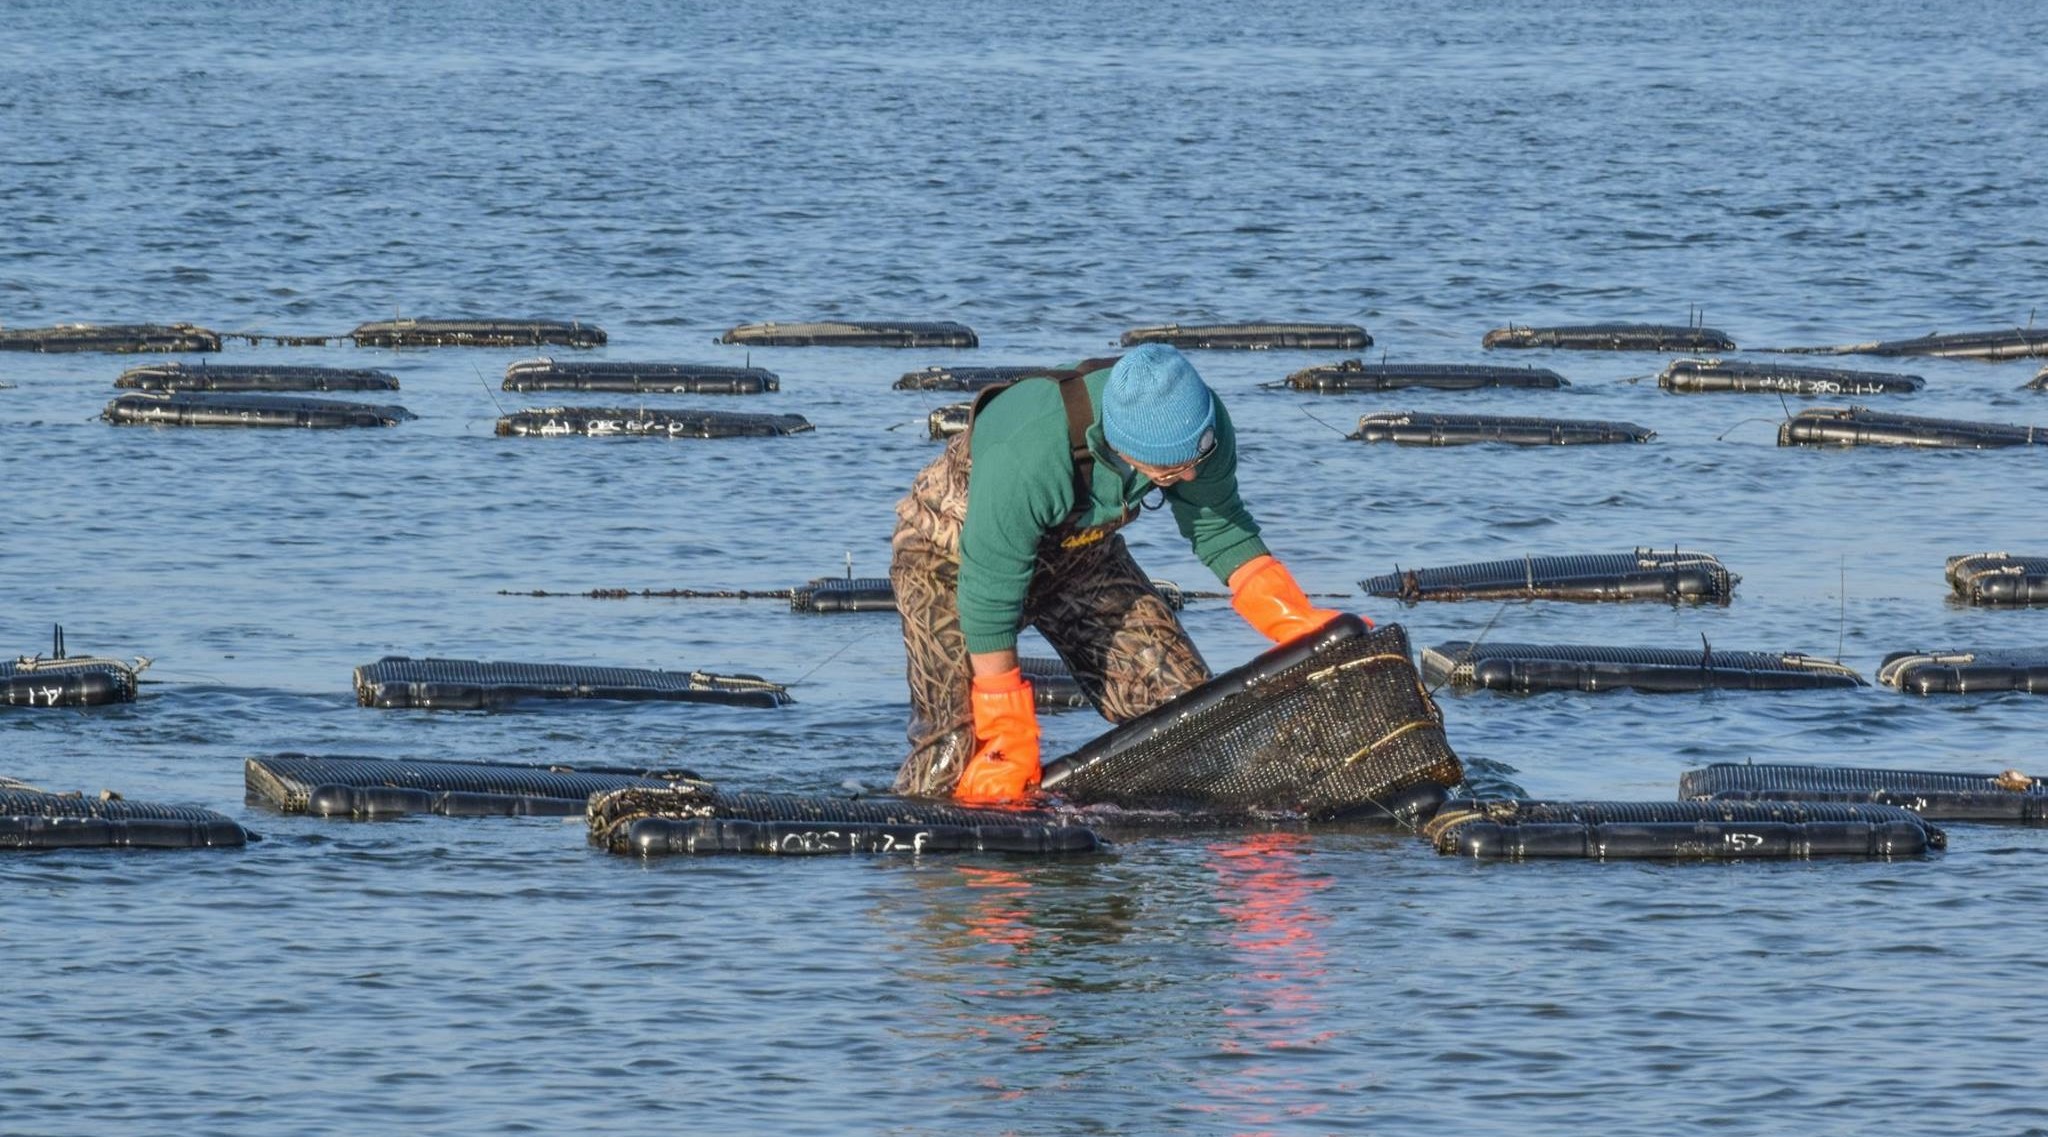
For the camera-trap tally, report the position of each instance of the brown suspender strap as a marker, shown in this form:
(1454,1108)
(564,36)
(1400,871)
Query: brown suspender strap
(1080,416)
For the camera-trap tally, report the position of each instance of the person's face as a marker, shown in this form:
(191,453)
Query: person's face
(1166,475)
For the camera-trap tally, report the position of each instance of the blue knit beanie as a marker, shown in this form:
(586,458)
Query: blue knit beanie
(1156,410)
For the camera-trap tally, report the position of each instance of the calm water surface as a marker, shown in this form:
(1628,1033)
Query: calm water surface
(1051,175)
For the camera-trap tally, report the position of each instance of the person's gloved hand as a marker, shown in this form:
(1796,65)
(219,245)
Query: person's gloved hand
(1004,767)
(1265,594)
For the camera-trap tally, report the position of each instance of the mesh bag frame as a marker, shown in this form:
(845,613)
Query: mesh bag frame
(855,333)
(1358,375)
(1516,829)
(1703,375)
(637,378)
(1334,723)
(1646,574)
(1612,337)
(647,422)
(462,684)
(1591,667)
(1861,426)
(1252,336)
(1967,671)
(1413,428)
(1999,578)
(253,377)
(477,333)
(2008,796)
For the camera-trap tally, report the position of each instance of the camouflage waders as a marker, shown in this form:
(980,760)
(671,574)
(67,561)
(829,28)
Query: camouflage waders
(1088,598)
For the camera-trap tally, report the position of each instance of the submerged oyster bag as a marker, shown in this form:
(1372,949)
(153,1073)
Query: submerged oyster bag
(120,338)
(1335,723)
(938,378)
(253,377)
(220,408)
(1967,671)
(855,333)
(1861,426)
(2000,343)
(462,684)
(647,422)
(1413,428)
(2007,796)
(1612,337)
(1358,375)
(1590,667)
(1688,376)
(638,378)
(1670,576)
(1598,830)
(364,788)
(477,333)
(1251,336)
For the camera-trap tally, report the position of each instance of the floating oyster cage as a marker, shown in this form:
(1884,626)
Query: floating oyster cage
(461,684)
(855,333)
(1412,428)
(1612,337)
(367,788)
(1358,375)
(32,819)
(1671,576)
(1692,376)
(1861,426)
(702,819)
(2008,796)
(1255,337)
(1532,668)
(1969,671)
(477,333)
(947,421)
(217,408)
(120,338)
(1999,578)
(826,594)
(647,422)
(75,681)
(1997,344)
(638,378)
(253,377)
(1677,830)
(941,378)
(1333,724)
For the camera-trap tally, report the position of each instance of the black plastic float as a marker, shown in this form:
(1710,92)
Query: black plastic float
(647,422)
(1358,375)
(1412,428)
(1251,336)
(1861,426)
(1612,337)
(253,377)
(121,338)
(855,333)
(368,788)
(32,819)
(2006,796)
(939,378)
(1719,830)
(462,684)
(1590,667)
(218,408)
(1999,578)
(1694,376)
(638,378)
(477,333)
(1967,671)
(1671,576)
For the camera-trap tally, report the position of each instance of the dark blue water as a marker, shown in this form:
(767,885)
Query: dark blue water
(1050,174)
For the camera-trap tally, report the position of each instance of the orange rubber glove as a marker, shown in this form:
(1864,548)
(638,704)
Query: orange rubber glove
(1004,767)
(1264,593)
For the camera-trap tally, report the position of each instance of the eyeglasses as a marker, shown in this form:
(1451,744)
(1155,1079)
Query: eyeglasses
(1181,470)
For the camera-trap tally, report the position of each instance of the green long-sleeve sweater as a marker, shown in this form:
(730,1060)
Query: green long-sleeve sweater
(1022,484)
